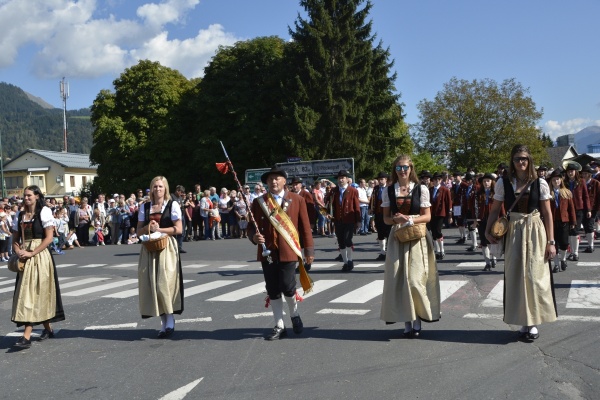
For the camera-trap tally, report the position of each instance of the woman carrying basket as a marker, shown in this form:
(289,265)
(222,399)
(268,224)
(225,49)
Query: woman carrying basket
(159,270)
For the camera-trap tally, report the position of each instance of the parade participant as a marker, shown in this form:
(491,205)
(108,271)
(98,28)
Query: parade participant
(456,207)
(411,288)
(382,229)
(582,205)
(593,189)
(466,194)
(595,165)
(500,170)
(563,214)
(484,198)
(529,244)
(37,297)
(441,205)
(277,235)
(346,216)
(542,171)
(159,273)
(425,177)
(297,188)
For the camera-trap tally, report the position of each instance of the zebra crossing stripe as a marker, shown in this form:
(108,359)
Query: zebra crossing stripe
(192,320)
(496,296)
(322,265)
(569,318)
(34,333)
(11,288)
(132,292)
(2,277)
(65,265)
(322,285)
(205,287)
(93,265)
(195,266)
(81,282)
(367,265)
(234,266)
(448,288)
(100,288)
(241,293)
(7,283)
(254,315)
(107,327)
(584,294)
(362,294)
(123,265)
(471,264)
(342,312)
(588,264)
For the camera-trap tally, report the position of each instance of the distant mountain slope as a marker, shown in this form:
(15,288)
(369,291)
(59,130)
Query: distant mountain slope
(27,123)
(585,137)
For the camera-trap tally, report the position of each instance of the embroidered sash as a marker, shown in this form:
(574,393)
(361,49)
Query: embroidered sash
(284,226)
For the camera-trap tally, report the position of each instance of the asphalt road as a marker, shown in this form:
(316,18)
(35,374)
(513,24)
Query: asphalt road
(104,350)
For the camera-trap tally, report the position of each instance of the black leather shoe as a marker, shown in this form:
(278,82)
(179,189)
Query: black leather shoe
(416,333)
(161,334)
(487,267)
(23,343)
(563,265)
(298,325)
(575,257)
(169,332)
(461,241)
(556,269)
(471,248)
(442,255)
(345,268)
(307,267)
(589,250)
(276,334)
(437,256)
(350,265)
(570,257)
(338,258)
(46,334)
(523,335)
(182,251)
(380,257)
(532,336)
(493,264)
(407,335)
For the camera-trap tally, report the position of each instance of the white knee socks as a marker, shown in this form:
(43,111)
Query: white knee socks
(486,253)
(277,306)
(474,239)
(461,229)
(170,321)
(292,305)
(590,239)
(574,242)
(383,246)
(344,255)
(441,242)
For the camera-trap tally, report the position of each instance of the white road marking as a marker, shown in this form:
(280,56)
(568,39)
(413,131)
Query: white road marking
(180,393)
(254,315)
(496,296)
(322,265)
(342,312)
(81,282)
(569,318)
(205,287)
(100,288)
(362,294)
(584,294)
(195,266)
(471,264)
(11,282)
(34,333)
(93,265)
(241,293)
(191,320)
(322,285)
(368,265)
(108,327)
(448,288)
(123,265)
(234,266)
(588,264)
(132,292)
(64,265)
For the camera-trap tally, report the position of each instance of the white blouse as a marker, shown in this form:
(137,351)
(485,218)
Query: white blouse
(175,211)
(45,215)
(385,200)
(499,189)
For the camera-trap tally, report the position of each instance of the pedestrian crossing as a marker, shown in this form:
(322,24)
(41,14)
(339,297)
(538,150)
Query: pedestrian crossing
(580,294)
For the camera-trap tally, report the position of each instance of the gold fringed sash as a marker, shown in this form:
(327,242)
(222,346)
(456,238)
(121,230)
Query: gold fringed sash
(284,226)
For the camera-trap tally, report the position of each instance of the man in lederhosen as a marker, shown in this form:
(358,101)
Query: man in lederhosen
(297,188)
(383,229)
(280,272)
(441,205)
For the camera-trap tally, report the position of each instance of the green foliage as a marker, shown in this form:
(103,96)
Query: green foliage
(136,136)
(341,92)
(475,124)
(546,140)
(425,160)
(24,124)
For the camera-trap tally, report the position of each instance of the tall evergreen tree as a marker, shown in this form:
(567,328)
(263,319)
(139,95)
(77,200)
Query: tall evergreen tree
(344,103)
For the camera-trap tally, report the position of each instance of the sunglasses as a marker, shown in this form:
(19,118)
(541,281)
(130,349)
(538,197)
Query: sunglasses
(520,159)
(402,167)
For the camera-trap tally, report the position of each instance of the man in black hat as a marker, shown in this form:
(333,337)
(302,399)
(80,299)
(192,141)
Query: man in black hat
(383,230)
(542,171)
(593,188)
(279,272)
(595,165)
(296,187)
(467,204)
(425,177)
(441,206)
(346,216)
(457,189)
(500,170)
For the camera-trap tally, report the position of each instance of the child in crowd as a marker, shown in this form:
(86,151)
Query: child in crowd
(98,225)
(214,219)
(133,239)
(72,239)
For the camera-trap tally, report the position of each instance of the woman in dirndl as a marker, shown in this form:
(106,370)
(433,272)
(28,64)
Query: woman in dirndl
(37,297)
(529,245)
(411,289)
(159,273)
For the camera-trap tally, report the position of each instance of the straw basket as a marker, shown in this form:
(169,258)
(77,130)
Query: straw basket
(156,245)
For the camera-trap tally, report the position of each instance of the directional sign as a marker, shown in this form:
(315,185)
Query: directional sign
(320,168)
(253,175)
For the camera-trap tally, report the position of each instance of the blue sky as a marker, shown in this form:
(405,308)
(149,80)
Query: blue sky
(550,47)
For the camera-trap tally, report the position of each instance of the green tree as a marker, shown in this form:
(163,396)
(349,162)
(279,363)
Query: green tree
(475,124)
(136,135)
(239,102)
(343,102)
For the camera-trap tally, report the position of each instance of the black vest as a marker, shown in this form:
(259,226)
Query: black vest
(165,218)
(534,196)
(415,201)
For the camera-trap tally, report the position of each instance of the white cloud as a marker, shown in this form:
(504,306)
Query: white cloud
(71,42)
(572,126)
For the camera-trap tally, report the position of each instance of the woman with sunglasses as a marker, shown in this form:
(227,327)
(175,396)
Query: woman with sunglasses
(411,288)
(529,245)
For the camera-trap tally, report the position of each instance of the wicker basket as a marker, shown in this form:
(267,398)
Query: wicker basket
(155,245)
(410,233)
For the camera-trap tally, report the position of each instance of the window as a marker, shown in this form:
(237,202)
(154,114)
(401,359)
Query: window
(14,182)
(72,180)
(83,180)
(36,180)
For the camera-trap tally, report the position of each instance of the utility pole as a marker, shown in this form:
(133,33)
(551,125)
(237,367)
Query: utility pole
(64,95)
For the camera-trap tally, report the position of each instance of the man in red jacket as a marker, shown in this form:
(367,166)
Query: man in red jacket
(346,216)
(593,188)
(441,205)
(279,267)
